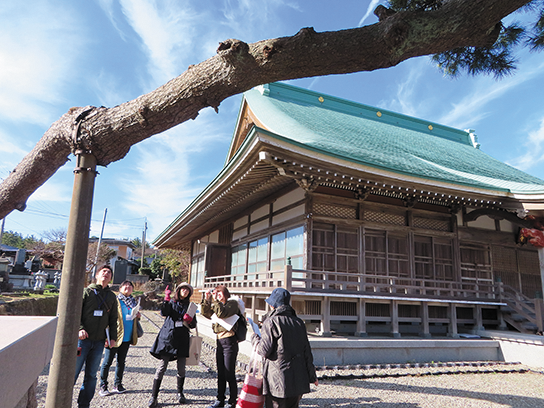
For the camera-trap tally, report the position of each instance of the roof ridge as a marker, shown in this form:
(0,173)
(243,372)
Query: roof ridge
(287,92)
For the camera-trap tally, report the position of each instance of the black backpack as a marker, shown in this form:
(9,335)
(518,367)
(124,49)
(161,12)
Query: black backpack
(241,330)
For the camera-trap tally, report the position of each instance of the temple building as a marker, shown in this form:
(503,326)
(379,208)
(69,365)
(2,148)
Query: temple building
(377,223)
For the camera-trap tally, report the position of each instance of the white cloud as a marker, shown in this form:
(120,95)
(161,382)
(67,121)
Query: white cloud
(168,174)
(53,191)
(39,44)
(166,29)
(108,7)
(369,11)
(406,99)
(535,150)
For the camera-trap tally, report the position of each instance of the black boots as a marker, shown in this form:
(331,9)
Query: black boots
(181,397)
(154,393)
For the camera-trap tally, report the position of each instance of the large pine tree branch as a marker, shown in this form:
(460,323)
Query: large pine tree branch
(237,67)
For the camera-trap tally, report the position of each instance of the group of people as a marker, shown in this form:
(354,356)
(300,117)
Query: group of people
(108,321)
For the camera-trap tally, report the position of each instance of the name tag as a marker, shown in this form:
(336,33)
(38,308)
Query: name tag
(128,317)
(179,323)
(98,313)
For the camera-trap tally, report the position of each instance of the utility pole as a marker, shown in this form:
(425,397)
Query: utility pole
(143,243)
(99,243)
(2,230)
(61,375)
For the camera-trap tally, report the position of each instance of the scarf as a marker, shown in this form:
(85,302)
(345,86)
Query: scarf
(128,300)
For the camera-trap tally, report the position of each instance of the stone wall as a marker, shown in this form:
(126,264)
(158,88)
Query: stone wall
(31,307)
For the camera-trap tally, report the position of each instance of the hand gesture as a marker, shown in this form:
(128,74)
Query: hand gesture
(167,293)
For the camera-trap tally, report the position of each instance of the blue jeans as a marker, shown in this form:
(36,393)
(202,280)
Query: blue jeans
(109,355)
(225,357)
(91,354)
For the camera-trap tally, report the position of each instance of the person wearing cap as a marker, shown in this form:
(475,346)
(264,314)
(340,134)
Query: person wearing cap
(288,368)
(98,328)
(172,342)
(220,303)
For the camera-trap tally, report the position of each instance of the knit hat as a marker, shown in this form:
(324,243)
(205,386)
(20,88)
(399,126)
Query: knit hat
(185,285)
(279,297)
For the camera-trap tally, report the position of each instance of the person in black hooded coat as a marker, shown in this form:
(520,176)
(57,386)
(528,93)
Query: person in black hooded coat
(172,342)
(288,368)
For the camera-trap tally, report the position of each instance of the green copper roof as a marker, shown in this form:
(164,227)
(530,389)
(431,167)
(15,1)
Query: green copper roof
(383,139)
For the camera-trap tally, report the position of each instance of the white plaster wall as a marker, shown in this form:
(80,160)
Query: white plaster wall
(507,226)
(259,226)
(261,212)
(198,248)
(288,199)
(287,215)
(214,237)
(239,234)
(483,222)
(240,222)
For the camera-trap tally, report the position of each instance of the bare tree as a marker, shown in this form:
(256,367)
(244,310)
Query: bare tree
(105,254)
(108,133)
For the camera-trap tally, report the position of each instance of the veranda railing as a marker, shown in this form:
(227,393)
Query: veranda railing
(323,282)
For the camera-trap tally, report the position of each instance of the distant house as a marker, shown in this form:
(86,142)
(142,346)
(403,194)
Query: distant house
(122,263)
(376,222)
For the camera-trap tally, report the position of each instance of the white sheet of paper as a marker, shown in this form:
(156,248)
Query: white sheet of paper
(254,326)
(227,322)
(134,311)
(191,310)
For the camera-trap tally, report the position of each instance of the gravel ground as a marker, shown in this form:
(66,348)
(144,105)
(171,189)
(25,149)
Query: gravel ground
(386,386)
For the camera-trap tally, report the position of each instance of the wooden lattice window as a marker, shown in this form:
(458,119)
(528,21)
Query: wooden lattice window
(409,311)
(384,218)
(378,310)
(432,224)
(531,281)
(323,247)
(505,266)
(475,264)
(433,258)
(343,309)
(335,248)
(312,307)
(438,312)
(386,253)
(336,211)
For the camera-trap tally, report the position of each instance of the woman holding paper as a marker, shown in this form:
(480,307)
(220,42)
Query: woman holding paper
(127,315)
(223,310)
(172,342)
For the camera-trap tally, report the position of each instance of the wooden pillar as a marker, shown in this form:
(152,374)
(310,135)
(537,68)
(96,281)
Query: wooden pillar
(541,262)
(254,308)
(395,319)
(539,314)
(361,321)
(63,364)
(425,320)
(326,317)
(288,278)
(452,330)
(479,319)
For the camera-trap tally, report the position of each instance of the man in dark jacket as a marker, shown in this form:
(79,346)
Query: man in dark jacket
(98,313)
(288,366)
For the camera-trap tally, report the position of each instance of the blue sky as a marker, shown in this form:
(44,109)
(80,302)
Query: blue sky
(60,53)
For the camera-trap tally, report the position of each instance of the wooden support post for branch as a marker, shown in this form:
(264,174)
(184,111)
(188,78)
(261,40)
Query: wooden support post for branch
(62,371)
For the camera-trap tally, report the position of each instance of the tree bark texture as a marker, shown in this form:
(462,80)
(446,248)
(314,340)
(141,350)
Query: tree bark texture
(108,133)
